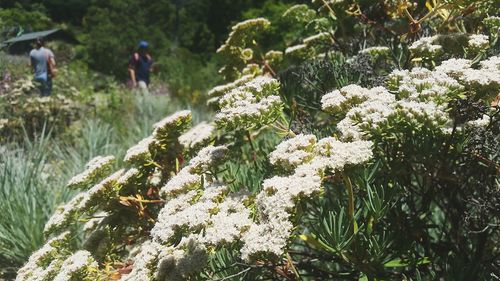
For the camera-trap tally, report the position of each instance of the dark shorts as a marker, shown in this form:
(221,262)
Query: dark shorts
(45,87)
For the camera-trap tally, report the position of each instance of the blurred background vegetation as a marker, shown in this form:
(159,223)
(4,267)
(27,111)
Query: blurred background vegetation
(183,34)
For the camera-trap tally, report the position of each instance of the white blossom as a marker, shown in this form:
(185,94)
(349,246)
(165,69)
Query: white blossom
(172,124)
(333,101)
(197,136)
(482,122)
(178,263)
(95,168)
(251,104)
(206,158)
(425,47)
(63,214)
(266,238)
(222,89)
(454,67)
(293,152)
(376,51)
(81,203)
(242,32)
(128,177)
(181,183)
(99,193)
(317,38)
(300,48)
(177,215)
(492,63)
(230,222)
(478,41)
(75,266)
(34,268)
(145,263)
(140,151)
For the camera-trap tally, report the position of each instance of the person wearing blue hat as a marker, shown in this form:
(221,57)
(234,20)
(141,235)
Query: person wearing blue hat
(140,66)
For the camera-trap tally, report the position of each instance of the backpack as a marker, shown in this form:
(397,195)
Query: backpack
(51,67)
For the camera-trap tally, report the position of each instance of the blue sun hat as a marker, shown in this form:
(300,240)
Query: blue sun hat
(143,44)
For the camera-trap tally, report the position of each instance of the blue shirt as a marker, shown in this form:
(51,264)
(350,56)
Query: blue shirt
(39,60)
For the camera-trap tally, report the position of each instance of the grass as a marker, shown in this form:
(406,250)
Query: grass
(29,193)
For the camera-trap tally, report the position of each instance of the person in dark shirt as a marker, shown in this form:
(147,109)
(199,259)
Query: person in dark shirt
(140,66)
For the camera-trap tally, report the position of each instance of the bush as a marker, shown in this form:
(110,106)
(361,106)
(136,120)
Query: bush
(376,165)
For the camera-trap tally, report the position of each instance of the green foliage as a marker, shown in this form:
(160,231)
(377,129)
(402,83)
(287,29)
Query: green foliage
(31,182)
(187,75)
(116,50)
(11,69)
(18,18)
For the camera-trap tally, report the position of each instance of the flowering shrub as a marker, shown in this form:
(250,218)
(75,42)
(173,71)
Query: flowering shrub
(387,183)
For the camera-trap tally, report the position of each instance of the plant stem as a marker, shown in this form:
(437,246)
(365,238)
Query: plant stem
(350,194)
(254,153)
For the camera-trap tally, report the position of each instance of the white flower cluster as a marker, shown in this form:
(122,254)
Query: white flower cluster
(76,267)
(368,109)
(82,203)
(230,222)
(482,122)
(421,84)
(190,177)
(273,56)
(161,263)
(493,24)
(479,42)
(181,182)
(141,151)
(197,136)
(362,118)
(492,64)
(179,262)
(128,177)
(293,152)
(299,51)
(243,32)
(95,169)
(172,125)
(180,215)
(209,156)
(299,13)
(167,129)
(419,113)
(423,96)
(97,199)
(351,95)
(45,262)
(276,202)
(253,103)
(279,195)
(203,216)
(453,74)
(145,263)
(320,38)
(222,89)
(426,47)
